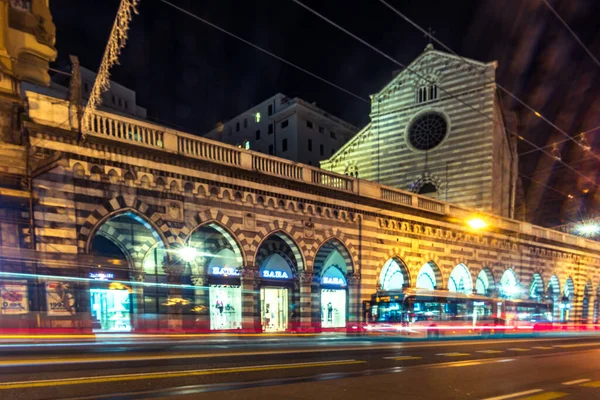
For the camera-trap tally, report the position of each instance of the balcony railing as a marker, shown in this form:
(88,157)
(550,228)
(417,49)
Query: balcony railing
(53,112)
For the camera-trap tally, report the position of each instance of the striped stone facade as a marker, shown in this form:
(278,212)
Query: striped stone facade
(178,184)
(475,164)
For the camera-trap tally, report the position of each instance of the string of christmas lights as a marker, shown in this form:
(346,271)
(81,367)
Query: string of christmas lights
(116,43)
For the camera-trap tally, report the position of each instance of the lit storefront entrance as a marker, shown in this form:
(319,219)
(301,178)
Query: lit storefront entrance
(225,307)
(333,298)
(274,311)
(111,309)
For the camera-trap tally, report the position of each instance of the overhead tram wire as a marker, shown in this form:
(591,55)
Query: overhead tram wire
(508,92)
(283,60)
(426,79)
(298,67)
(571,32)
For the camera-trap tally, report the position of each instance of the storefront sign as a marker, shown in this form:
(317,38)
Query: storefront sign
(224,271)
(60,298)
(275,274)
(102,276)
(333,280)
(13,297)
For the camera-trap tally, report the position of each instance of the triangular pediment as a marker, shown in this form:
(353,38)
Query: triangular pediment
(433,64)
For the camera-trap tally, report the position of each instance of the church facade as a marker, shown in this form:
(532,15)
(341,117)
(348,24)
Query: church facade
(438,128)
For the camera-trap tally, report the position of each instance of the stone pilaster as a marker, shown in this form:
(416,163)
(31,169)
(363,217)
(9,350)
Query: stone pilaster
(354,303)
(306,323)
(201,308)
(250,300)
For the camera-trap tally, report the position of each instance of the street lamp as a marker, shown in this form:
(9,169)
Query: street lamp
(187,254)
(477,223)
(588,228)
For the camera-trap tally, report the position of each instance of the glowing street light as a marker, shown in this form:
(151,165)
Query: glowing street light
(187,254)
(477,223)
(588,228)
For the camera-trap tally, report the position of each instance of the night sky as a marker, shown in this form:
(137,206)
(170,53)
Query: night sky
(191,76)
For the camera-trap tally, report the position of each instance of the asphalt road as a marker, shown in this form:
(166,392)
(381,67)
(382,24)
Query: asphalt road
(305,368)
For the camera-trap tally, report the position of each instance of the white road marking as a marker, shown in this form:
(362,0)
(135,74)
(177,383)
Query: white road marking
(490,351)
(453,354)
(542,347)
(576,382)
(518,349)
(513,395)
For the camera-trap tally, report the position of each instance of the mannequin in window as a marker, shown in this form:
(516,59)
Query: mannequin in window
(329,312)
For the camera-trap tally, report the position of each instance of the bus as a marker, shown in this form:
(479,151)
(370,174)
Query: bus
(431,313)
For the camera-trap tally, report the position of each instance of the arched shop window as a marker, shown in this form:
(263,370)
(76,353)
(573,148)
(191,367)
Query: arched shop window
(216,263)
(333,298)
(426,279)
(508,285)
(278,259)
(484,282)
(392,275)
(460,280)
(536,290)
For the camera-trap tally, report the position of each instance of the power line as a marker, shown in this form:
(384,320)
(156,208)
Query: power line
(572,33)
(363,99)
(425,78)
(508,92)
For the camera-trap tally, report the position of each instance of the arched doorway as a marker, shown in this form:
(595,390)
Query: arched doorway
(216,264)
(554,296)
(278,259)
(135,251)
(485,282)
(509,288)
(429,276)
(331,267)
(536,289)
(460,280)
(394,275)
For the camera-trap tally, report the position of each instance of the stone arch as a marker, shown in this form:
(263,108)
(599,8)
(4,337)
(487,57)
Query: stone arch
(291,235)
(325,248)
(129,177)
(394,275)
(310,209)
(339,236)
(553,293)
(569,288)
(485,284)
(429,274)
(160,183)
(78,170)
(121,205)
(202,190)
(460,279)
(96,172)
(249,198)
(217,218)
(214,191)
(291,206)
(281,204)
(188,187)
(271,203)
(509,284)
(290,250)
(536,288)
(227,194)
(238,197)
(113,176)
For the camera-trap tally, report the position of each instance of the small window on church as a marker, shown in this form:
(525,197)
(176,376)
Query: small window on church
(426,93)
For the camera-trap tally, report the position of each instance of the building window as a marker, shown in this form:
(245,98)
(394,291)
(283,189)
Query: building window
(271,149)
(322,150)
(332,135)
(237,126)
(309,124)
(285,123)
(245,122)
(126,104)
(426,93)
(284,145)
(427,131)
(270,111)
(229,130)
(114,99)
(247,145)
(270,129)
(309,144)
(257,117)
(258,134)
(120,102)
(86,87)
(321,129)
